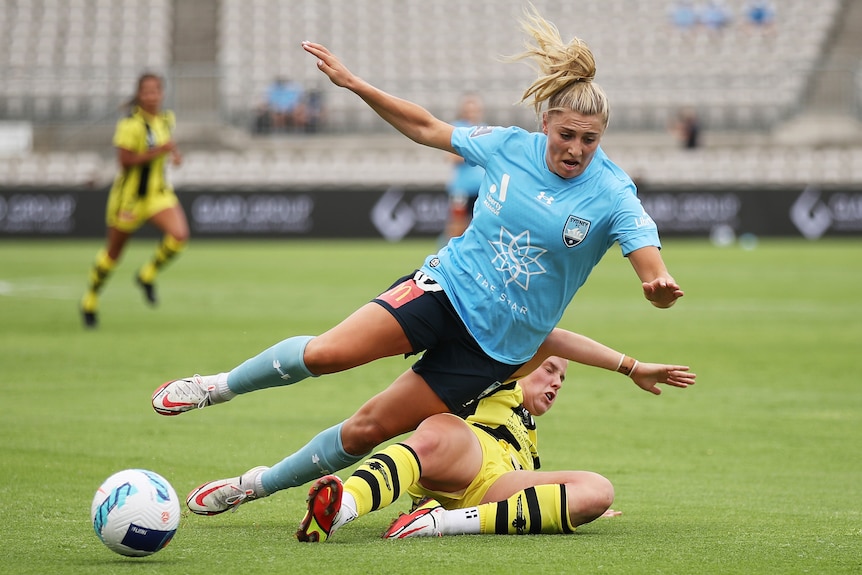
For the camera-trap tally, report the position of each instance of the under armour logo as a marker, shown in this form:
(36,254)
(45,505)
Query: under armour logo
(315,460)
(545,198)
(276,365)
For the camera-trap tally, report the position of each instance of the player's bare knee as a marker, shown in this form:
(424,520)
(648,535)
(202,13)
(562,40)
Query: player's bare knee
(604,493)
(319,357)
(428,439)
(589,498)
(360,435)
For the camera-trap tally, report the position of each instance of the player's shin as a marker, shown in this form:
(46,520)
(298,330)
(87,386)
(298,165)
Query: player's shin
(539,509)
(383,477)
(323,455)
(281,364)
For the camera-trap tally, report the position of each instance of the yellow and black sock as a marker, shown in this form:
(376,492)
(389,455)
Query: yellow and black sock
(382,478)
(102,268)
(539,509)
(167,250)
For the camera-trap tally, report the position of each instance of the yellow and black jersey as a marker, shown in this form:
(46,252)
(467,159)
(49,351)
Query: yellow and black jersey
(507,437)
(139,133)
(141,191)
(503,416)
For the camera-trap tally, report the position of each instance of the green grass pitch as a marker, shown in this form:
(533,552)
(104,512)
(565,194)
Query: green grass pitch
(756,469)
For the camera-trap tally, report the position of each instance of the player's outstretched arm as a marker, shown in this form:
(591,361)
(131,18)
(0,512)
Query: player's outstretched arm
(410,119)
(581,349)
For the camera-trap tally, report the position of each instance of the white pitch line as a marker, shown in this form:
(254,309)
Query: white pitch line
(37,288)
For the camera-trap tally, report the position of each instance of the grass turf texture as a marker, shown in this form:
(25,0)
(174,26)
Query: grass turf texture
(756,469)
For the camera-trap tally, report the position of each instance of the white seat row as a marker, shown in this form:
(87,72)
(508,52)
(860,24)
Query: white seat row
(295,166)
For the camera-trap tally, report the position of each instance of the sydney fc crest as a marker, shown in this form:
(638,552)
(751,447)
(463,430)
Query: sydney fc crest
(575,231)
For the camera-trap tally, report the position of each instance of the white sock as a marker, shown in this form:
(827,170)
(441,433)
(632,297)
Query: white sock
(259,491)
(460,521)
(347,513)
(221,392)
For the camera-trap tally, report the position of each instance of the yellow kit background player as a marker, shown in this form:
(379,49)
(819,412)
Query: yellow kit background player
(140,193)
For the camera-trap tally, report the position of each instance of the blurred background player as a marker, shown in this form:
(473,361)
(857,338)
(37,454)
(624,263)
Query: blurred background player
(480,474)
(463,186)
(140,193)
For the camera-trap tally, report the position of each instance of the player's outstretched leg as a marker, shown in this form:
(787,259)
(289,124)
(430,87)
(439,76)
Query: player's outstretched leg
(324,503)
(227,494)
(279,365)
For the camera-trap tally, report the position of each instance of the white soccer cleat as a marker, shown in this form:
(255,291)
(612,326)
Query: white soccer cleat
(424,521)
(225,494)
(181,395)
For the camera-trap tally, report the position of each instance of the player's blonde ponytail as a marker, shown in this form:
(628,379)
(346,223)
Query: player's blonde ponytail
(566,71)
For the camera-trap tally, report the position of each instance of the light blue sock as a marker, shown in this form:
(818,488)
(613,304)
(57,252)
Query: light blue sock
(321,456)
(281,364)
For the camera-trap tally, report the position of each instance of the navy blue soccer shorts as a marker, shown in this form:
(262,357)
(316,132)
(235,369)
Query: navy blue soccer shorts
(453,365)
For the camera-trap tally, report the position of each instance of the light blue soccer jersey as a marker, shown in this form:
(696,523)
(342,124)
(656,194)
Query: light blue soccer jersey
(534,239)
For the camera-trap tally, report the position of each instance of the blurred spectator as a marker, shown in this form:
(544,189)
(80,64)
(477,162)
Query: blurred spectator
(284,108)
(683,15)
(760,15)
(314,111)
(686,128)
(715,16)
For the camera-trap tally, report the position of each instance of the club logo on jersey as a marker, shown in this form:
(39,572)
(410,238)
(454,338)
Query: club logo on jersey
(575,231)
(514,255)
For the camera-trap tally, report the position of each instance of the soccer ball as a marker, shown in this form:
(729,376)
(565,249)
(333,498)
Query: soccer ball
(135,512)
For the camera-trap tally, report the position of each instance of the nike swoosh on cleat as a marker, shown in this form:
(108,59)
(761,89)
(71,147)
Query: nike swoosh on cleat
(200,497)
(407,533)
(168,403)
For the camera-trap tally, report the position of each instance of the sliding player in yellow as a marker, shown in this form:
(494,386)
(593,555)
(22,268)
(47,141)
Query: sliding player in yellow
(140,194)
(479,473)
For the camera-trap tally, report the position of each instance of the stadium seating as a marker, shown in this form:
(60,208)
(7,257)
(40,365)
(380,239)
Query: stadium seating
(70,59)
(76,60)
(431,51)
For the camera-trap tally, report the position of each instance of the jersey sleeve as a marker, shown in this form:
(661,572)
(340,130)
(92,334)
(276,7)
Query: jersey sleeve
(477,144)
(128,135)
(633,228)
(170,120)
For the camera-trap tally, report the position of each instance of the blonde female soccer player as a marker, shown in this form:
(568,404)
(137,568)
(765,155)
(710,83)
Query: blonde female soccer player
(550,206)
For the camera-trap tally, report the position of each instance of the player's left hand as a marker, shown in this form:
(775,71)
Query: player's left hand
(662,292)
(329,64)
(647,375)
